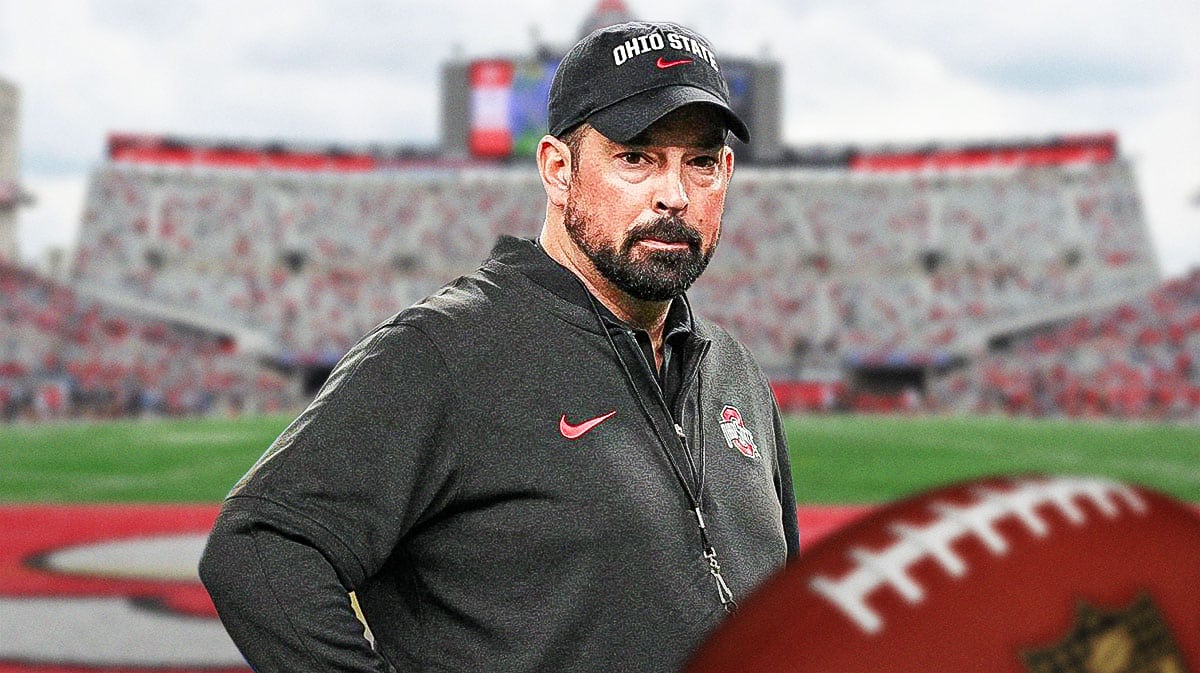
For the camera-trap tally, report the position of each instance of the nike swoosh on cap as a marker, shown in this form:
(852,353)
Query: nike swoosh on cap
(671,64)
(575,431)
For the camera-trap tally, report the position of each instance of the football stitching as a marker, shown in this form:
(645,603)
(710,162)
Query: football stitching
(889,567)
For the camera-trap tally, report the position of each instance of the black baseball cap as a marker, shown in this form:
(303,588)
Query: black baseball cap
(623,78)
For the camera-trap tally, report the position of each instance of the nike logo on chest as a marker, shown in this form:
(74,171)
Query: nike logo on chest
(577,430)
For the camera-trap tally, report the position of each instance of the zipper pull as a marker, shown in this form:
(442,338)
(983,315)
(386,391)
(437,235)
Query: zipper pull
(679,431)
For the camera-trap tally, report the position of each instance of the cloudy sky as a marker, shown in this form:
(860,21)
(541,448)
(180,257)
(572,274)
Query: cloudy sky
(854,71)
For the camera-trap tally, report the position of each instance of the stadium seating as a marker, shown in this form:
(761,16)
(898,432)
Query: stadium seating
(62,356)
(814,266)
(818,269)
(314,260)
(1136,361)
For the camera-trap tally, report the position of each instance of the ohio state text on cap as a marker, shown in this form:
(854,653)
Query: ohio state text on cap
(623,78)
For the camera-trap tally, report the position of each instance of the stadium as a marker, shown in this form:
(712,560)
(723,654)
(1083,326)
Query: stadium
(926,313)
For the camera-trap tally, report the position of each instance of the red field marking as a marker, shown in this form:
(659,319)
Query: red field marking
(31,531)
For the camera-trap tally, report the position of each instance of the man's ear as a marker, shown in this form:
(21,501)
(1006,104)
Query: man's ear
(554,167)
(728,163)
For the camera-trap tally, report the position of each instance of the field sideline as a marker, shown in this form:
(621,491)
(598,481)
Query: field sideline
(835,459)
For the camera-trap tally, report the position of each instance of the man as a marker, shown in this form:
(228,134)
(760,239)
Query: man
(551,464)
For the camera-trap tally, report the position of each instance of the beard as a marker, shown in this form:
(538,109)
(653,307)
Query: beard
(654,275)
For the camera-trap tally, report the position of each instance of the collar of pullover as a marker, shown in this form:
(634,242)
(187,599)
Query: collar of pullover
(528,257)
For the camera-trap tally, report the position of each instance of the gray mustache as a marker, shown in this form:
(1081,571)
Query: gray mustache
(667,229)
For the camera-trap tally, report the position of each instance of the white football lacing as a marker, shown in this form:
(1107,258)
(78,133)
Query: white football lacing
(889,567)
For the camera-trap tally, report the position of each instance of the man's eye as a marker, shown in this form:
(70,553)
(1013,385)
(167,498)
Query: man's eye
(633,158)
(704,162)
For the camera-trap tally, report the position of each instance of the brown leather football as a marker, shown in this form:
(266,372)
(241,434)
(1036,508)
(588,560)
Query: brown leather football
(1014,575)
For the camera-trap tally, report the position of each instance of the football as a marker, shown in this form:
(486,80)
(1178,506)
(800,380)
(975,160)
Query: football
(1014,575)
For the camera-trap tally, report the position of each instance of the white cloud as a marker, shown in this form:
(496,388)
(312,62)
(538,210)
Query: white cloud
(1042,44)
(1165,145)
(53,220)
(78,81)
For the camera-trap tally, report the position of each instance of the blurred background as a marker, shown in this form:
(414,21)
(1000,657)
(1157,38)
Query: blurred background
(964,241)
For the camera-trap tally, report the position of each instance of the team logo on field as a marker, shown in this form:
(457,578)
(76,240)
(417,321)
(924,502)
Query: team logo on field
(1127,641)
(736,434)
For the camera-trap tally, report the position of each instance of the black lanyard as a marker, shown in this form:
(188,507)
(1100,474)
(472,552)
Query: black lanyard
(694,496)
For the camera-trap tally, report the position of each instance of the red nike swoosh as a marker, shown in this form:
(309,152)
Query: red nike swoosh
(670,64)
(571,431)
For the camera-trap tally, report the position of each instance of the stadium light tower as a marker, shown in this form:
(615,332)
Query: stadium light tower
(11,194)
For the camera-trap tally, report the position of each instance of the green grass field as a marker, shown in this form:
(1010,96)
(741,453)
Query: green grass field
(835,459)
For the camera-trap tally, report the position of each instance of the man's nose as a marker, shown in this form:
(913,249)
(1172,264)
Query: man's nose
(671,197)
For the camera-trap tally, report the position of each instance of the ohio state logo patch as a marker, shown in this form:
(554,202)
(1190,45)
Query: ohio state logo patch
(736,434)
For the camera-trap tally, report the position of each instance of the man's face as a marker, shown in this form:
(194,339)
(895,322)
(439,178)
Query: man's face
(648,213)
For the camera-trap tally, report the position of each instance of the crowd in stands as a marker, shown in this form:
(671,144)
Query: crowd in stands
(1140,360)
(814,266)
(825,267)
(62,356)
(315,260)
